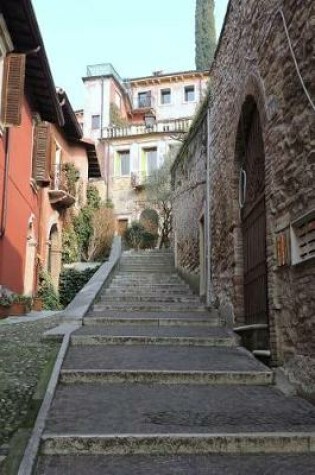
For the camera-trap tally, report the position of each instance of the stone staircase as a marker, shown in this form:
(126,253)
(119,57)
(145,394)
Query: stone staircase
(152,384)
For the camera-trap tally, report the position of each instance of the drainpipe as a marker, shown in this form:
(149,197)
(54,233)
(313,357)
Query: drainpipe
(4,210)
(209,293)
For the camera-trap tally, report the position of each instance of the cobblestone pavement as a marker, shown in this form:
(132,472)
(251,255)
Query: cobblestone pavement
(23,355)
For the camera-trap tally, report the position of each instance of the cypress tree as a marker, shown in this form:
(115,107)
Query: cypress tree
(205,34)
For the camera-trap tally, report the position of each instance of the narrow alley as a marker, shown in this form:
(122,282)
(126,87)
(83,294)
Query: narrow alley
(153,384)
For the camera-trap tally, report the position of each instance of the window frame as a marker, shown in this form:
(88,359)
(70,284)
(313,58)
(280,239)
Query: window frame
(121,153)
(169,89)
(148,94)
(147,151)
(185,90)
(93,116)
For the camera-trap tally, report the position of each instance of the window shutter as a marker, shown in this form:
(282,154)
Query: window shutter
(117,165)
(13,89)
(41,154)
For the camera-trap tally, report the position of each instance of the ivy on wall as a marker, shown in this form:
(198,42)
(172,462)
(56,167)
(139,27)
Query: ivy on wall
(115,117)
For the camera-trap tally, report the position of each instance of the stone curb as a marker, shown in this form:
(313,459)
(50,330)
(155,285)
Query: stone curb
(30,455)
(261,378)
(167,444)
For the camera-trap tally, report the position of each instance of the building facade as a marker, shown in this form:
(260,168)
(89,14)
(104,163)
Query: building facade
(136,123)
(261,193)
(39,134)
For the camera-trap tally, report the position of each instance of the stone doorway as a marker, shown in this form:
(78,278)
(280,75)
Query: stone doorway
(253,228)
(30,260)
(54,255)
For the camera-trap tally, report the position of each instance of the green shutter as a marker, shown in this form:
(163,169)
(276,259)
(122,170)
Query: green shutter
(116,164)
(143,167)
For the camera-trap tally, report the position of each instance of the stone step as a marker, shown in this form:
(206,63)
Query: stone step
(72,376)
(138,298)
(142,270)
(154,418)
(173,365)
(149,290)
(149,306)
(167,358)
(158,330)
(240,464)
(95,318)
(126,286)
(147,281)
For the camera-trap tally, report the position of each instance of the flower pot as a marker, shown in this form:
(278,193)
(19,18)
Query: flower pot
(37,304)
(4,311)
(17,309)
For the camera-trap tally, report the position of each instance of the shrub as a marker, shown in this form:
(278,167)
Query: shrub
(137,236)
(72,281)
(47,292)
(83,223)
(103,224)
(70,249)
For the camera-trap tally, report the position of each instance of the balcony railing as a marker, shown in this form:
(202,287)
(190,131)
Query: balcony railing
(60,193)
(169,127)
(144,102)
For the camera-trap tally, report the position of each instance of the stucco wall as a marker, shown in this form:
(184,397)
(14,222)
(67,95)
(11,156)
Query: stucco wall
(22,203)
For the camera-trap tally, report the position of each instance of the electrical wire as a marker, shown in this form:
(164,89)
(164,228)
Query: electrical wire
(294,59)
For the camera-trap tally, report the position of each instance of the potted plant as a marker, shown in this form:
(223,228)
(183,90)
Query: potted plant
(5,304)
(37,303)
(20,305)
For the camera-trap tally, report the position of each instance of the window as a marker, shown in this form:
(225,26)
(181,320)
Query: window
(189,93)
(123,165)
(144,99)
(165,96)
(96,122)
(151,159)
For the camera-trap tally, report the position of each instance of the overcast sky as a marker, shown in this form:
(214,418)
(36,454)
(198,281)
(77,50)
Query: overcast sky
(137,37)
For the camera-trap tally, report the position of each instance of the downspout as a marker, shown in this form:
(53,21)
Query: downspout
(4,210)
(209,293)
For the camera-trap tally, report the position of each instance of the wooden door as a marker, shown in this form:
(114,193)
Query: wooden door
(254,234)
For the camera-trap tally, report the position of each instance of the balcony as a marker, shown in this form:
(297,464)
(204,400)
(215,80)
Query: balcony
(170,127)
(60,194)
(138,180)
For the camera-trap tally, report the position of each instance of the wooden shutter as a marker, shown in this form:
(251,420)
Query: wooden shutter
(13,89)
(41,154)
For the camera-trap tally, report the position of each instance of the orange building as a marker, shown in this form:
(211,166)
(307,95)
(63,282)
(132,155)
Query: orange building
(38,133)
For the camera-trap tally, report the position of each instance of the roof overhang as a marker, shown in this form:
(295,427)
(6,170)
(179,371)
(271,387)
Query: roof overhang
(26,37)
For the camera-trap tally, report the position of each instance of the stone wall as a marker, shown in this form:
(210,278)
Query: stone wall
(254,59)
(189,184)
(254,65)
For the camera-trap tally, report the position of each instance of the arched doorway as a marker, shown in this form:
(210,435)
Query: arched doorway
(251,157)
(54,255)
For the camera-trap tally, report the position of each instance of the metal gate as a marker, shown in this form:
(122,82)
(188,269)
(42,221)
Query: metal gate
(254,233)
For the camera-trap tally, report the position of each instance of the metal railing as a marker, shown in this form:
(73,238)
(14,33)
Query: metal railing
(169,126)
